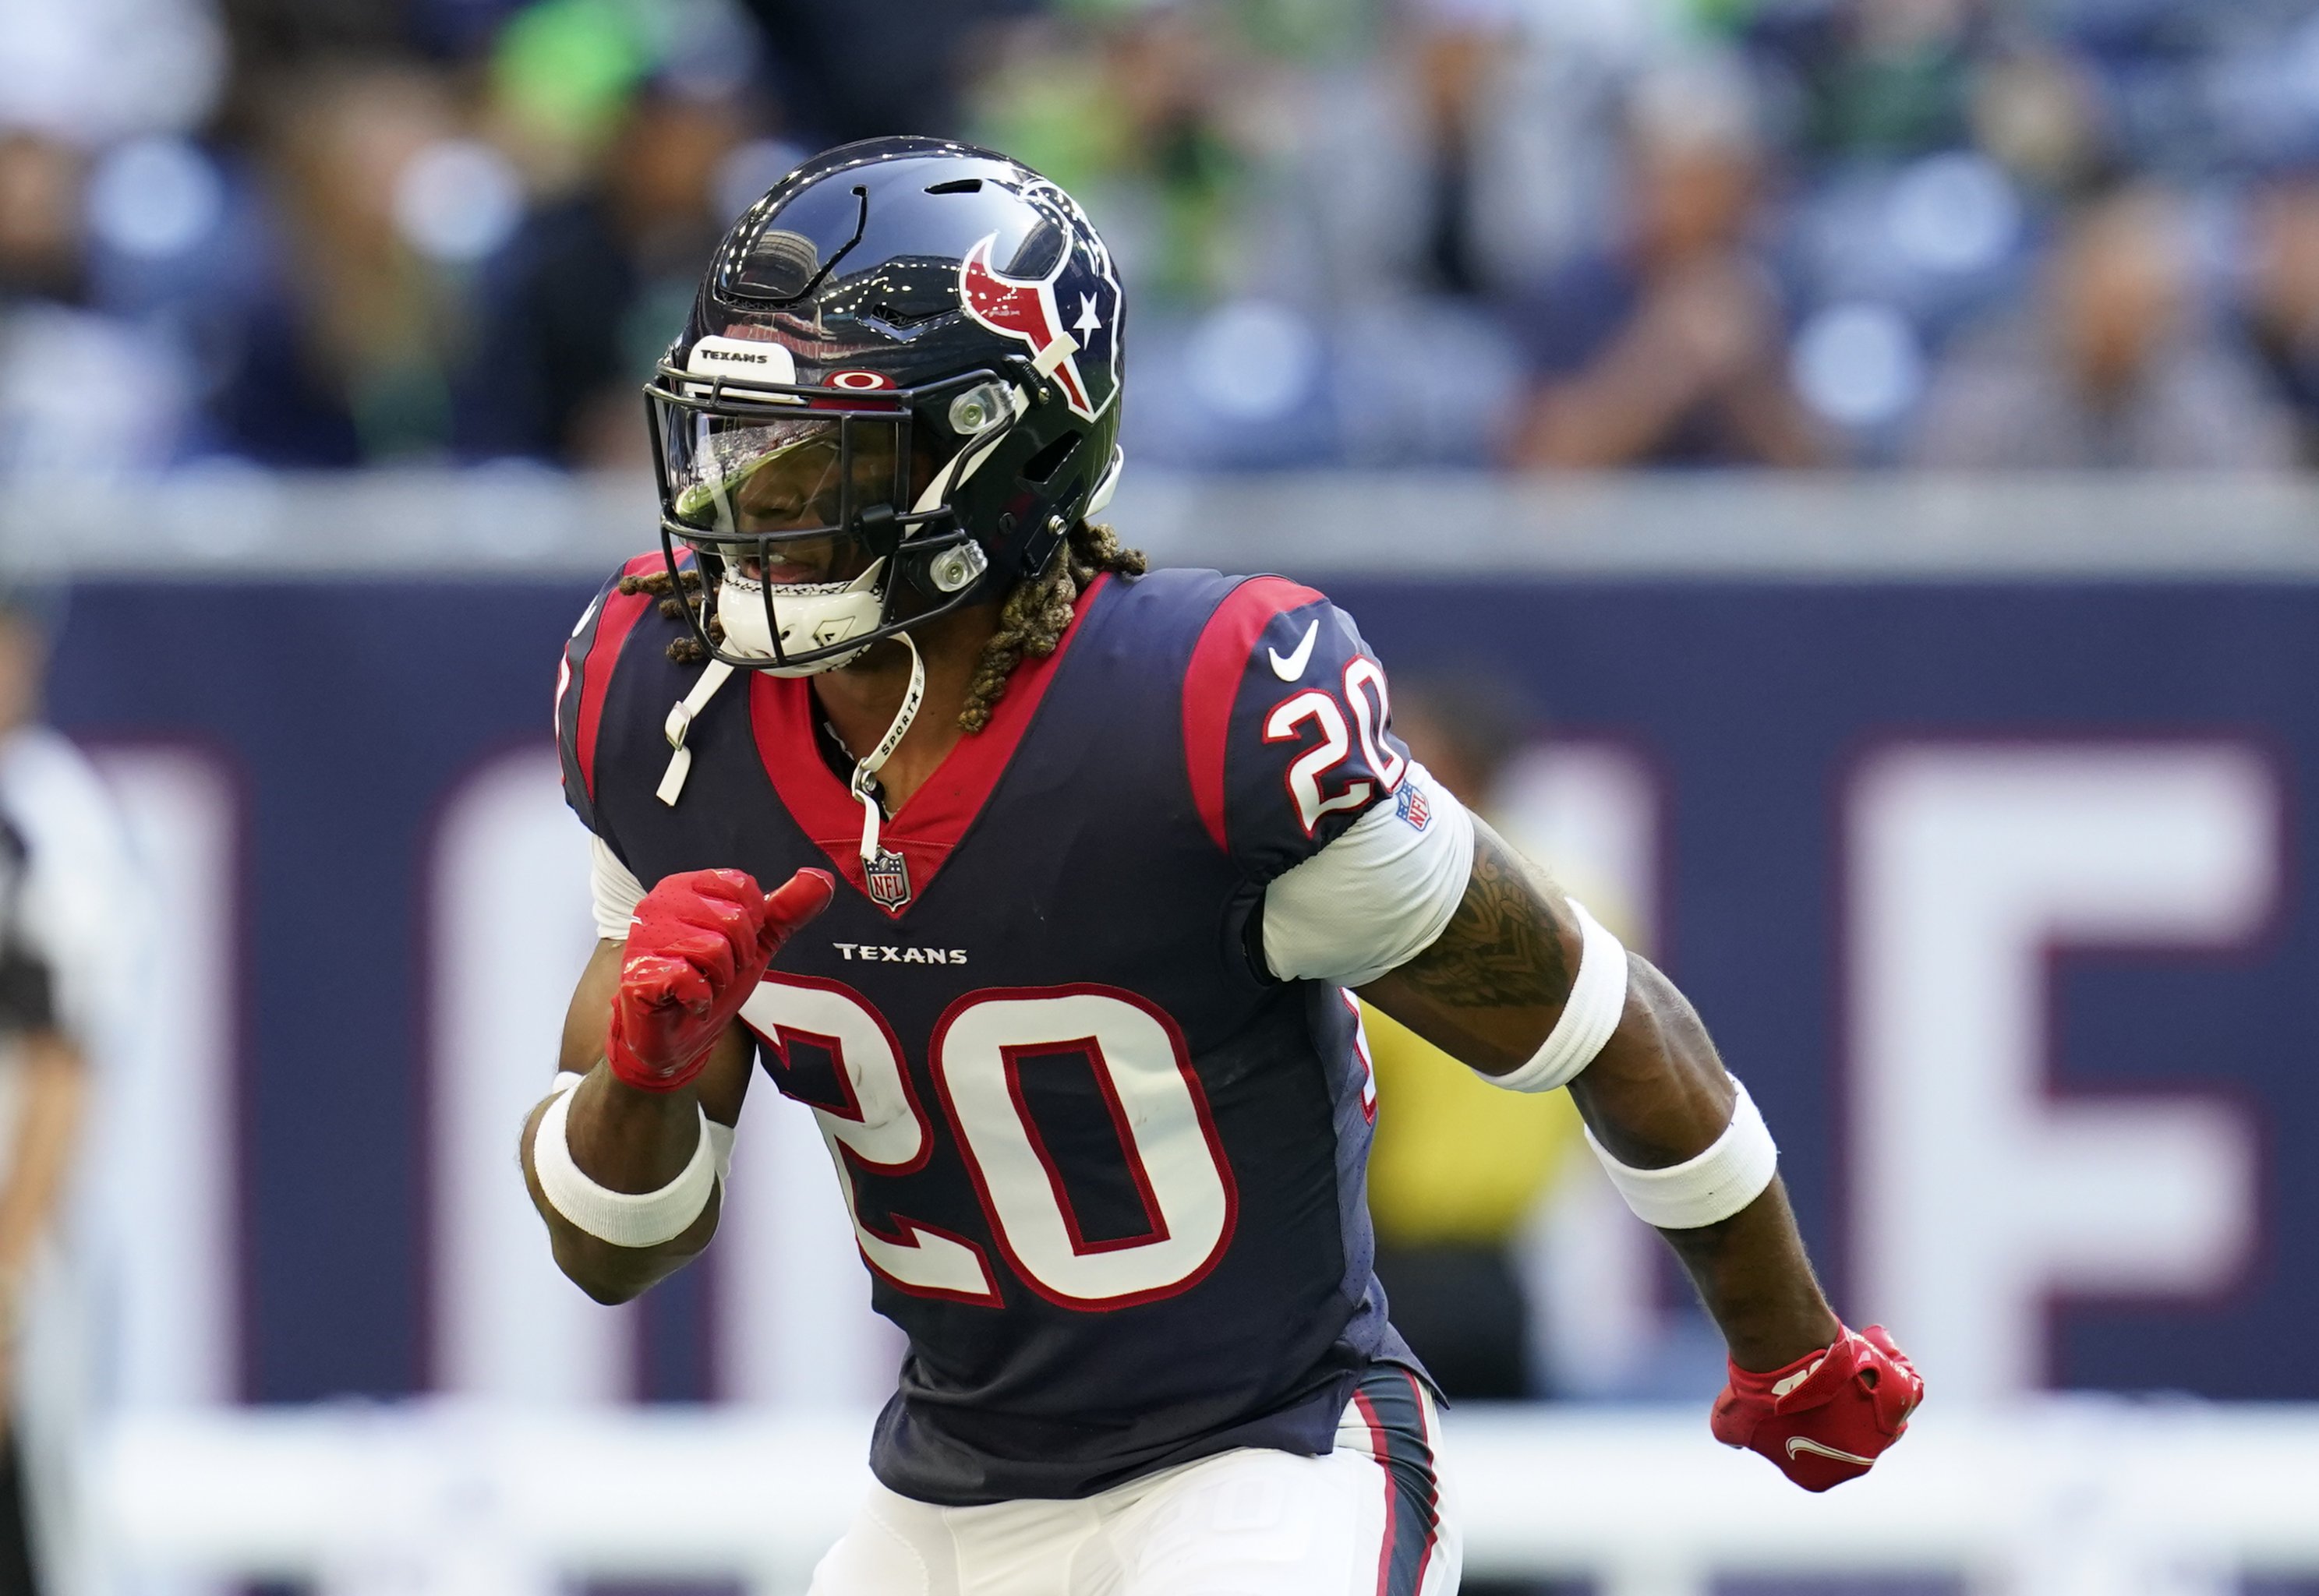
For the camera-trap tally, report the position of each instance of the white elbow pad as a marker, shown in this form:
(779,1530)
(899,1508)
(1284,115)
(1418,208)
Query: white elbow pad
(1713,1186)
(1379,895)
(624,1219)
(1598,996)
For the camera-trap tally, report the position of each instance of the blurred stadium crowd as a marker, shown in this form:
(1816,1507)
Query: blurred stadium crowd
(1960,234)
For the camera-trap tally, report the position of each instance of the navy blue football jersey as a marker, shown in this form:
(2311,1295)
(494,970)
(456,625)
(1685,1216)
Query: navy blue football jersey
(1107,1173)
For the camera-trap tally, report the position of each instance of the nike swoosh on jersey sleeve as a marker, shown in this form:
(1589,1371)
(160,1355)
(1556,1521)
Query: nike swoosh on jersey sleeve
(1212,683)
(1293,667)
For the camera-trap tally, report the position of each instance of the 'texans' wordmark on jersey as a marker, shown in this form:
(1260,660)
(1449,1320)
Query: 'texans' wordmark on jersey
(890,953)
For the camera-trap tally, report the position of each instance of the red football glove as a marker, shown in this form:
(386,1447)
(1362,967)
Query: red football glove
(1823,1419)
(697,948)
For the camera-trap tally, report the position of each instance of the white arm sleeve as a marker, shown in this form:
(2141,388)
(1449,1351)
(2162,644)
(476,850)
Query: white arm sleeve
(1379,895)
(615,889)
(1597,1000)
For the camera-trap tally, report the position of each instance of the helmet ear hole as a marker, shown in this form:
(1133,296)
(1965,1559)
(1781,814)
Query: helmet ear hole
(1041,468)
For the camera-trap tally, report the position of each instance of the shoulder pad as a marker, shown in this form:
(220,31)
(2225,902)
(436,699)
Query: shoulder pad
(1287,725)
(586,676)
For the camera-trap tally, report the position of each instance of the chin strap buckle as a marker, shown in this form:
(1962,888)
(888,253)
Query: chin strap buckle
(679,727)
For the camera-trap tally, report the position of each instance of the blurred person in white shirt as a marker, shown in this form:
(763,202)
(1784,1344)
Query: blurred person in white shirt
(42,1084)
(67,923)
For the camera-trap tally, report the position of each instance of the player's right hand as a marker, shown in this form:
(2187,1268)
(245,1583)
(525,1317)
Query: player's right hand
(697,948)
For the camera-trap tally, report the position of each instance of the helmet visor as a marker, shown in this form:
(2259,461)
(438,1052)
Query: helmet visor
(784,494)
(821,518)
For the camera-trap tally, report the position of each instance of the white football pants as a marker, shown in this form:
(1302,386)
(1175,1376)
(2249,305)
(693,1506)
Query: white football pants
(1367,1519)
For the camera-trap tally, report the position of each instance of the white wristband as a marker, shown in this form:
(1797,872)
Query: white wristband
(624,1219)
(720,1137)
(1714,1186)
(1598,996)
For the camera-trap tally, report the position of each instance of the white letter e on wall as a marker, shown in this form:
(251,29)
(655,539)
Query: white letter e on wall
(1977,1194)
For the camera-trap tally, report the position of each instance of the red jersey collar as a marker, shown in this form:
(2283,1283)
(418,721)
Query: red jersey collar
(781,711)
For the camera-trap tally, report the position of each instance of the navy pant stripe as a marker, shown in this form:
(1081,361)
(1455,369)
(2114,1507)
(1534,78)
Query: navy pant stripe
(1389,1403)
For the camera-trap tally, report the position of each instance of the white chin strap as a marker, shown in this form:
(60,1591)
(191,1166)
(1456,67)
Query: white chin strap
(742,610)
(813,615)
(866,769)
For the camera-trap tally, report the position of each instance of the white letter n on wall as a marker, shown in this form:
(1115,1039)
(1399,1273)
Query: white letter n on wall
(1977,1194)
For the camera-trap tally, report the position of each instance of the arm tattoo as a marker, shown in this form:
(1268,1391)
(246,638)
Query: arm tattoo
(1499,950)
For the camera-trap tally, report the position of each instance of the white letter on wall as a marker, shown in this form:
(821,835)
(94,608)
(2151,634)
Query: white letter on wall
(512,929)
(794,1324)
(162,1134)
(1977,1194)
(1589,810)
(164,1147)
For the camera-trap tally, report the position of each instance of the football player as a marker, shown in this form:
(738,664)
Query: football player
(1074,868)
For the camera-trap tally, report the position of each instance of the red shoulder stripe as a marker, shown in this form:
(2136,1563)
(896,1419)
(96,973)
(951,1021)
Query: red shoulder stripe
(621,612)
(1212,683)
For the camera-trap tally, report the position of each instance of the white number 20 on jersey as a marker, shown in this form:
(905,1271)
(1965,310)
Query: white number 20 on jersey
(1364,677)
(979,1052)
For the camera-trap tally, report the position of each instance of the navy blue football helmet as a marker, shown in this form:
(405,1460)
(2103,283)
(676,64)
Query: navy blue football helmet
(897,391)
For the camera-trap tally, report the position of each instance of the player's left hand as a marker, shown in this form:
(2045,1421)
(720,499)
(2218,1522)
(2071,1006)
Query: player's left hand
(1824,1418)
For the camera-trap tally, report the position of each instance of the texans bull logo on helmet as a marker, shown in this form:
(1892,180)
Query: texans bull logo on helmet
(1074,308)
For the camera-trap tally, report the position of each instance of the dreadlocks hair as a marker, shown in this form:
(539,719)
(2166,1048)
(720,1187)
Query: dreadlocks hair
(674,602)
(1037,611)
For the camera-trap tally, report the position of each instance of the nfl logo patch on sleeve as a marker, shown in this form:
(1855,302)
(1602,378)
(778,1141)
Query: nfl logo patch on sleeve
(887,878)
(1409,804)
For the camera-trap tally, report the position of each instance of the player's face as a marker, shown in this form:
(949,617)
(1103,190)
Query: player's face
(790,491)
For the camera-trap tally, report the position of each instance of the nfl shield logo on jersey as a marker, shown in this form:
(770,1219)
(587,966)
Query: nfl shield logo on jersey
(887,878)
(1411,807)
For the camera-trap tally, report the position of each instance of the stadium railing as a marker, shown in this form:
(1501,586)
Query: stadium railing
(512,519)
